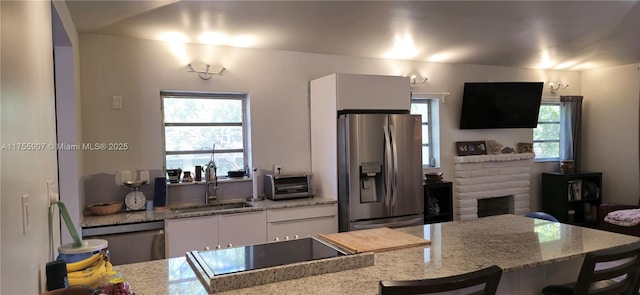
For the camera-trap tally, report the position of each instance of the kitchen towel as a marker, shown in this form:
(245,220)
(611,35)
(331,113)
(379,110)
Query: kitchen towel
(160,192)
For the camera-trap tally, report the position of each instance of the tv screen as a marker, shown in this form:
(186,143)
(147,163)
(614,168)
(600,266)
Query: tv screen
(488,105)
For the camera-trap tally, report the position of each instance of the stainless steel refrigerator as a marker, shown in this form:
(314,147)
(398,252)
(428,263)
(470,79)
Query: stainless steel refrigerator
(379,171)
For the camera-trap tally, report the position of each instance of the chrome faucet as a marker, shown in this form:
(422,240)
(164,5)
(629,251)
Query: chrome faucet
(210,177)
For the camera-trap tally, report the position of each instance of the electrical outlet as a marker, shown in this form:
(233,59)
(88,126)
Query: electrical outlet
(25,214)
(277,169)
(144,175)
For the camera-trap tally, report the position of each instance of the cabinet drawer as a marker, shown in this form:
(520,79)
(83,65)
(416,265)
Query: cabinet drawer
(285,214)
(302,227)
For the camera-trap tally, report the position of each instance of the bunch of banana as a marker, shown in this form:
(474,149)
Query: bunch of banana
(88,271)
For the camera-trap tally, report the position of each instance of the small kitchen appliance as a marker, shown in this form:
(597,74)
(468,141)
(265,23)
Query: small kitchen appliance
(174,175)
(280,187)
(135,200)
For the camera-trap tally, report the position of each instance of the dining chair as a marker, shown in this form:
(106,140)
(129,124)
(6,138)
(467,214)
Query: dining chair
(541,215)
(604,272)
(489,276)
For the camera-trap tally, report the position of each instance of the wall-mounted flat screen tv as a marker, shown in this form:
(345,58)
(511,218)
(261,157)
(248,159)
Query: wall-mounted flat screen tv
(488,105)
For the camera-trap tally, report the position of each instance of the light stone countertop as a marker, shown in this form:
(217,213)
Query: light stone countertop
(155,215)
(509,241)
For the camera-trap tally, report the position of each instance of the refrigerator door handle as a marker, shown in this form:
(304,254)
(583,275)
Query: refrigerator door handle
(387,165)
(394,148)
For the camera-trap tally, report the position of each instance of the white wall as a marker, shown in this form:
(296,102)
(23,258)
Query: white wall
(610,130)
(27,117)
(277,82)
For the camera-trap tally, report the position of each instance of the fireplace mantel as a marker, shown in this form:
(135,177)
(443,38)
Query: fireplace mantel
(493,158)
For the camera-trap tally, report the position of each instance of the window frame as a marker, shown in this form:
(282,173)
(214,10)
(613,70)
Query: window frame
(243,97)
(553,102)
(431,100)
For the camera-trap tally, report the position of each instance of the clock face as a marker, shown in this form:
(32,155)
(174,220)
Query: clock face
(135,200)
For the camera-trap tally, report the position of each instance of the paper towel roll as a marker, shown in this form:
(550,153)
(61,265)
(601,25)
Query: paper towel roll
(255,183)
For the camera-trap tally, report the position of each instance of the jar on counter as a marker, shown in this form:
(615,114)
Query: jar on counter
(112,283)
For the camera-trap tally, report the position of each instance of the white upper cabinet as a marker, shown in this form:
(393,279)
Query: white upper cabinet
(365,92)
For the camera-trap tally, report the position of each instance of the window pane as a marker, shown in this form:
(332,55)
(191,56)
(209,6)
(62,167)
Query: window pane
(224,162)
(198,110)
(420,109)
(192,138)
(549,113)
(546,149)
(425,156)
(547,132)
(425,134)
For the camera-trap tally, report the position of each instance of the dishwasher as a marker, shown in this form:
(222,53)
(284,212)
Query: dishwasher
(132,242)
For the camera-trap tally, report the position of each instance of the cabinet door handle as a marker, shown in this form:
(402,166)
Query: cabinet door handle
(206,248)
(286,237)
(296,236)
(229,246)
(276,239)
(218,247)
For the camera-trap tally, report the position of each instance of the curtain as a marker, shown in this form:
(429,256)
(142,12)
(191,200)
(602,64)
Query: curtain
(570,128)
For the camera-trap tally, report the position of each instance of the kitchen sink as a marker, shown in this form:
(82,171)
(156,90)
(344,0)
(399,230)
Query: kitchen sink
(211,207)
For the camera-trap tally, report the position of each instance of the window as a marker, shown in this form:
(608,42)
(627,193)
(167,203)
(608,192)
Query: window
(194,122)
(546,137)
(427,106)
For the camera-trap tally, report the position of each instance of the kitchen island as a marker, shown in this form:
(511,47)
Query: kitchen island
(532,252)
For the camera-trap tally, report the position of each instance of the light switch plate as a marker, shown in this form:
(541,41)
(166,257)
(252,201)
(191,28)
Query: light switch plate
(117,102)
(52,192)
(25,214)
(122,176)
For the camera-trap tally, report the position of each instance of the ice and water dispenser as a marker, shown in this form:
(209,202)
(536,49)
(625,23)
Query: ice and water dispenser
(371,182)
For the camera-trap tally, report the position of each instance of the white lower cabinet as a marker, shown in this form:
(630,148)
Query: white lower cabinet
(188,234)
(245,228)
(289,223)
(216,231)
(241,229)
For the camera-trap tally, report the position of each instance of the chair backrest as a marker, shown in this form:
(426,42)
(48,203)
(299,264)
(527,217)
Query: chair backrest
(489,276)
(541,215)
(617,262)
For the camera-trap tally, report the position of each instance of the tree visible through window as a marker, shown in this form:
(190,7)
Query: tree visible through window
(194,122)
(546,136)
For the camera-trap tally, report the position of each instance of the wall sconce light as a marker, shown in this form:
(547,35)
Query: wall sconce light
(205,75)
(556,87)
(414,80)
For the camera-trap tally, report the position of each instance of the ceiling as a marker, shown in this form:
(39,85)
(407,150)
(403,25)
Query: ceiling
(562,35)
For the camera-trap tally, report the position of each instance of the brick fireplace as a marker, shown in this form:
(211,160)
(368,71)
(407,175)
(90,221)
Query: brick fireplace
(505,178)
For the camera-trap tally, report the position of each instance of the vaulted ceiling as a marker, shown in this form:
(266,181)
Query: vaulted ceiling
(563,35)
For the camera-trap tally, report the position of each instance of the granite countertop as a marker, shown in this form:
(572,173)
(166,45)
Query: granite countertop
(510,241)
(154,215)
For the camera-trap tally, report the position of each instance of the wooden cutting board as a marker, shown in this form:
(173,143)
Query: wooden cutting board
(376,240)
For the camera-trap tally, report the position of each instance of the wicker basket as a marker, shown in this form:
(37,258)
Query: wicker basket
(105,208)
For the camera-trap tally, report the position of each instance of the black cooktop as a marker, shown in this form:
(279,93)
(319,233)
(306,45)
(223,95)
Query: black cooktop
(231,260)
